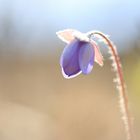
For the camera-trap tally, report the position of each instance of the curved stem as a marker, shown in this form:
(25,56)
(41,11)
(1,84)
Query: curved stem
(121,85)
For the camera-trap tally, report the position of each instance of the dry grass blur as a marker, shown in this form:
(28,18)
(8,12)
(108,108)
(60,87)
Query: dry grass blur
(37,103)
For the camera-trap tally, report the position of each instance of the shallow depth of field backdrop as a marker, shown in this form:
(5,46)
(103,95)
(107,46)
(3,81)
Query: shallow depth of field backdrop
(36,102)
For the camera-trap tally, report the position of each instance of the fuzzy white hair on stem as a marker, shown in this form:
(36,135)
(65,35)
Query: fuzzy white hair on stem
(119,80)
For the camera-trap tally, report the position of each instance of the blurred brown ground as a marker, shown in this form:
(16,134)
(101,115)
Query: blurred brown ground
(37,103)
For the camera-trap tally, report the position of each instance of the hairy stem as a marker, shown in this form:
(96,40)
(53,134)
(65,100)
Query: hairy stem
(123,100)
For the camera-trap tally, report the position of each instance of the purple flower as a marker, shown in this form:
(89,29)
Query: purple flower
(79,54)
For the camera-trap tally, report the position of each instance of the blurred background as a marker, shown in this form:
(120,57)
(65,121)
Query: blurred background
(36,102)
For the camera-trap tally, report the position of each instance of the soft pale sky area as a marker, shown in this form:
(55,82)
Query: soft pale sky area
(40,19)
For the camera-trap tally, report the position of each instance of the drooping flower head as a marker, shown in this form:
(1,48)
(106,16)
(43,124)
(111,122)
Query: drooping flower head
(79,54)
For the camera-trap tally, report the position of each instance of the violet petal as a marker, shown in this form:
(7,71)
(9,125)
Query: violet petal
(70,59)
(86,58)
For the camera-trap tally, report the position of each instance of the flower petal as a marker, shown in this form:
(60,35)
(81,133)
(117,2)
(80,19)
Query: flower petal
(67,35)
(86,58)
(98,55)
(69,59)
